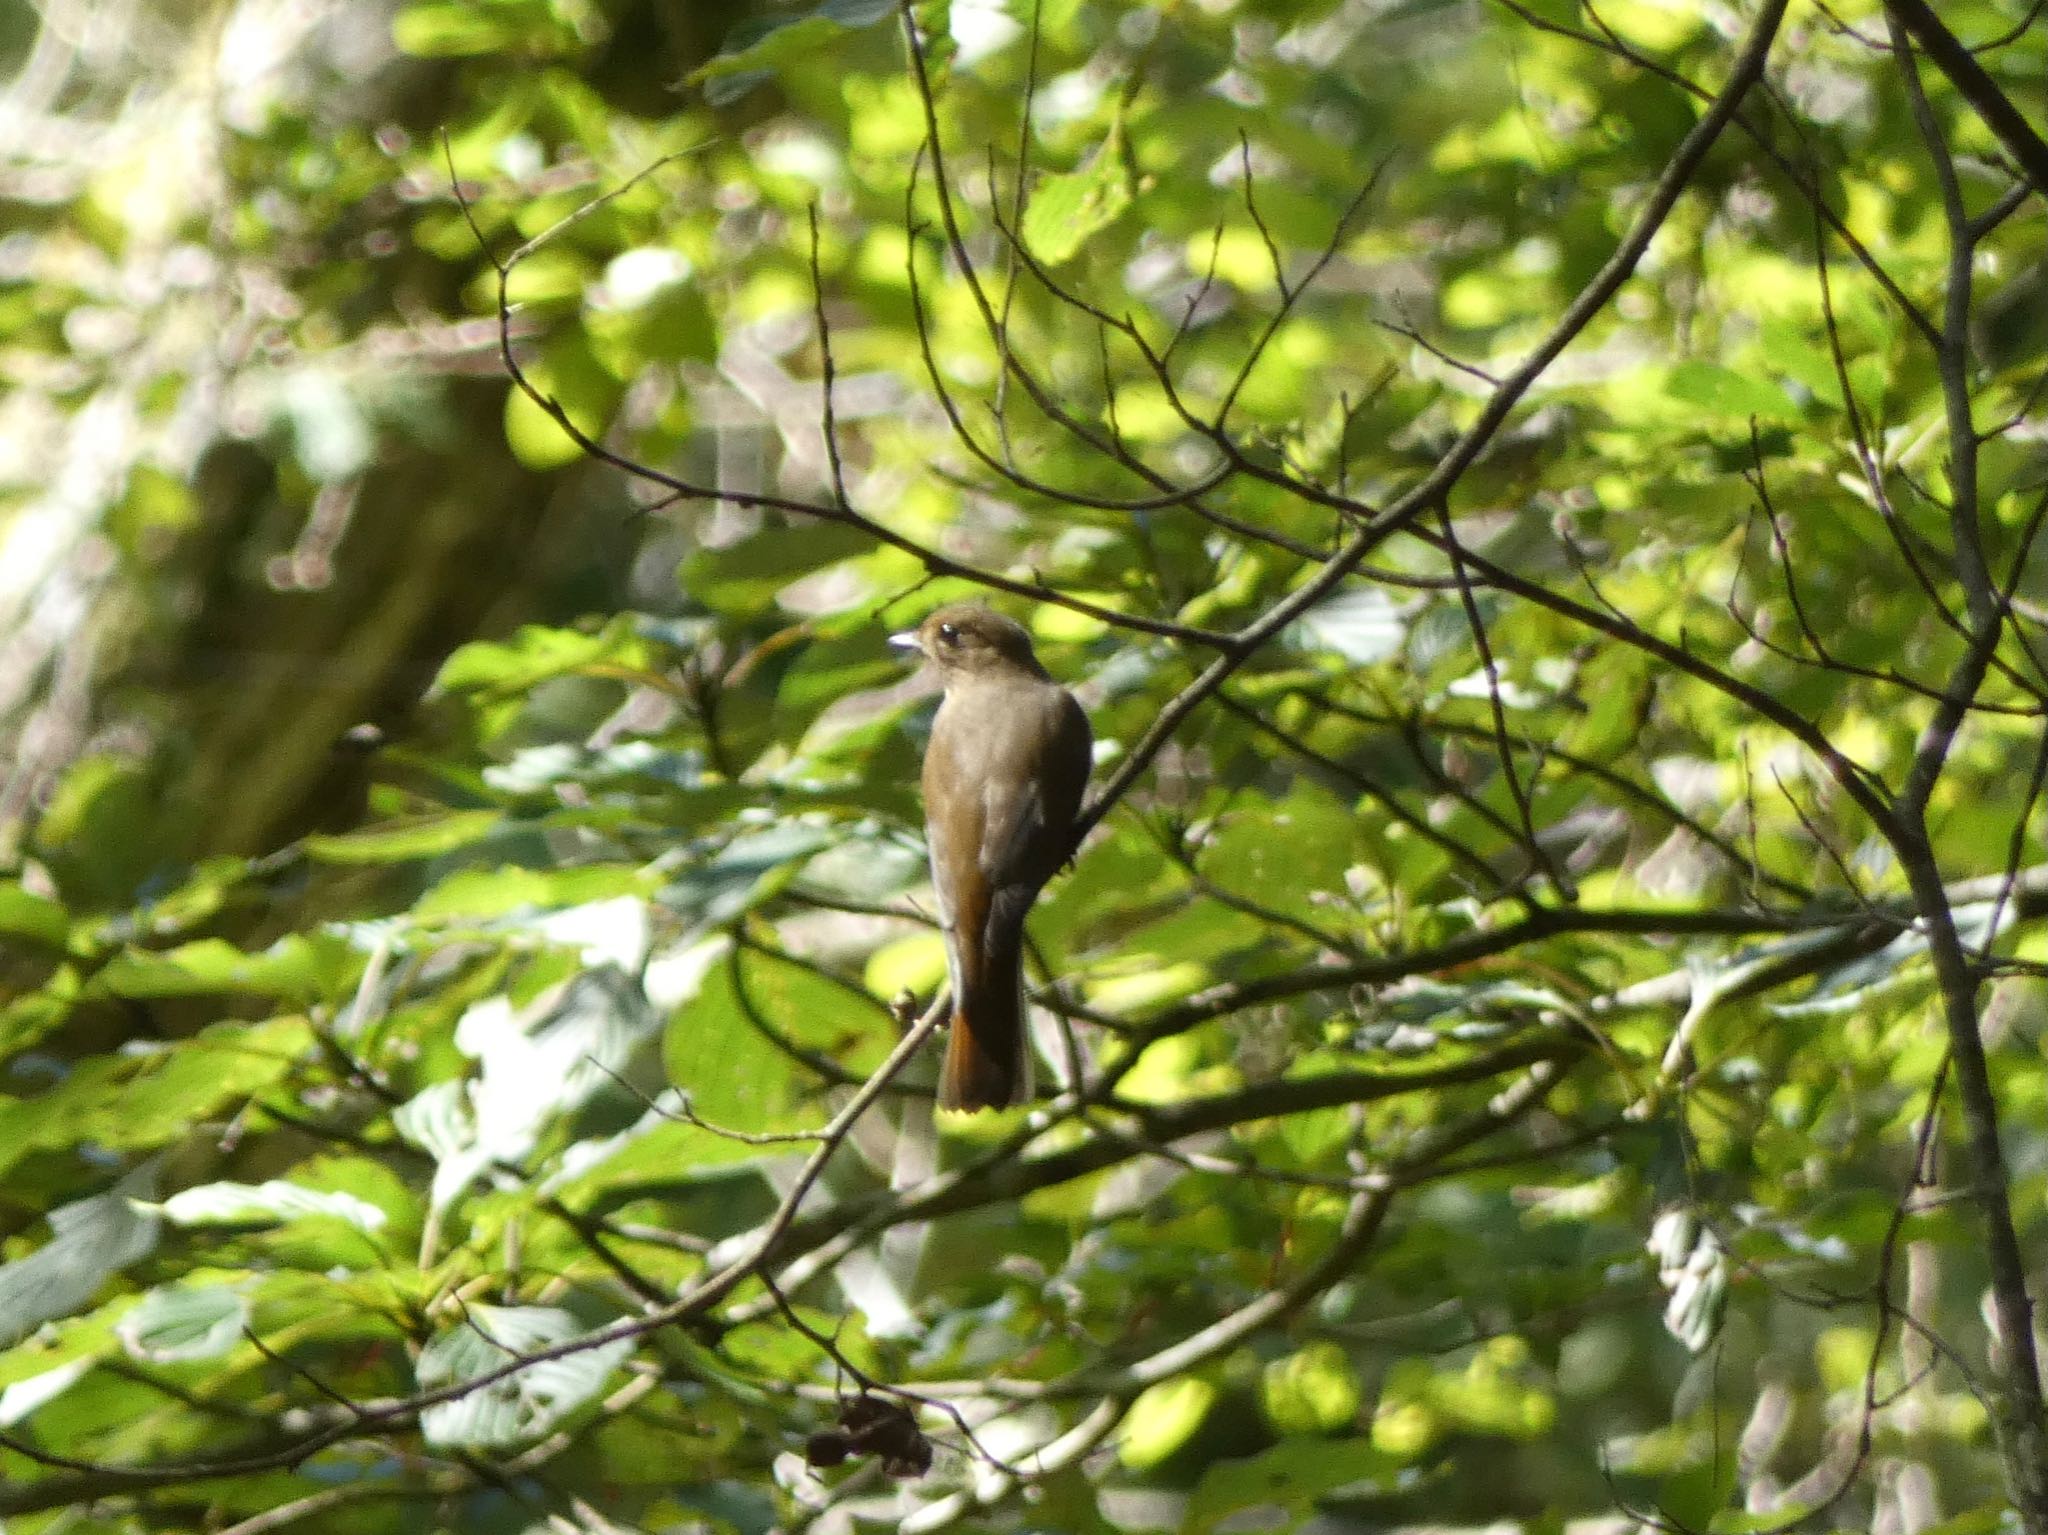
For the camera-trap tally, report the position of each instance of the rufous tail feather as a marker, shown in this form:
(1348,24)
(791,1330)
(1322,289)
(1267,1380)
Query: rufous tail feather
(984,1067)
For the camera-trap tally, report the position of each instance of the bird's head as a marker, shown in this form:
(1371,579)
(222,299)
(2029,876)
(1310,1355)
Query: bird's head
(965,639)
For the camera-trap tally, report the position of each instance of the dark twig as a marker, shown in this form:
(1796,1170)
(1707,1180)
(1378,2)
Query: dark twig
(1539,856)
(1975,84)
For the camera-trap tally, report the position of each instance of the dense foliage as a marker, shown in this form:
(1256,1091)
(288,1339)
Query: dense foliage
(1542,504)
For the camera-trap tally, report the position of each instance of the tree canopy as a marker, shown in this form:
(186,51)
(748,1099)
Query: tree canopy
(1542,504)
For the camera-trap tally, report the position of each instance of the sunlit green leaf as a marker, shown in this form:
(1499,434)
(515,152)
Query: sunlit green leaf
(426,836)
(215,1204)
(1066,209)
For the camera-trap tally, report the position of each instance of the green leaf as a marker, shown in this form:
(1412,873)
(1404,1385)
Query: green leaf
(101,832)
(29,1018)
(1723,392)
(176,1323)
(156,1095)
(298,968)
(570,376)
(395,841)
(1065,210)
(477,894)
(742,874)
(1779,1516)
(744,577)
(32,918)
(534,654)
(272,1202)
(536,1064)
(1311,1391)
(91,1239)
(1982,1520)
(454,30)
(757,50)
(1162,1419)
(734,1074)
(1291,1475)
(23,1397)
(1362,625)
(525,1404)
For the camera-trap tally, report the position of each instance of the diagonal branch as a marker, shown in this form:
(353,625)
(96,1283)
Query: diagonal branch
(1977,87)
(1415,504)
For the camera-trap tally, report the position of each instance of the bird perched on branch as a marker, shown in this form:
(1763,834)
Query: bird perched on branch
(1003,778)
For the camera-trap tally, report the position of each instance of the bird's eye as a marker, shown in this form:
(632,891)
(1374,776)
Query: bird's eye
(949,634)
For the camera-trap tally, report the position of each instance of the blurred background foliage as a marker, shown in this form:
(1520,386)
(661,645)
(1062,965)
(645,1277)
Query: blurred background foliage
(426,845)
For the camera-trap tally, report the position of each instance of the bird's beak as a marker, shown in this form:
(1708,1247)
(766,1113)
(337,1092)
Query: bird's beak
(907,640)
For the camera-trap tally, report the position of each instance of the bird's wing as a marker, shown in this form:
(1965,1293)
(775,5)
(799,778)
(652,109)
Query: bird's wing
(954,812)
(1029,811)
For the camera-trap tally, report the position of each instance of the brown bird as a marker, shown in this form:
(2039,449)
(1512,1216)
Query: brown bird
(1003,778)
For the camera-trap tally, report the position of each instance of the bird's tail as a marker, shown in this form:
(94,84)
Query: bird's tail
(985,1064)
